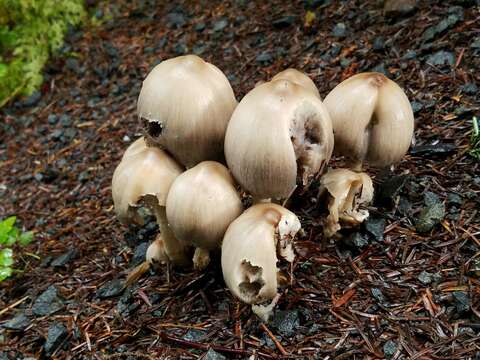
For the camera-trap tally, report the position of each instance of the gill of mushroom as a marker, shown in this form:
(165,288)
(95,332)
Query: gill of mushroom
(373,123)
(185,104)
(250,250)
(201,204)
(280,135)
(143,177)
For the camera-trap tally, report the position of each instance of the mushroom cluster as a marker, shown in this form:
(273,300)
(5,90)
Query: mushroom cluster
(203,154)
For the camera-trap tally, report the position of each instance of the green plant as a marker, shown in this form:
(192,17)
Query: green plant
(475,140)
(31,31)
(9,236)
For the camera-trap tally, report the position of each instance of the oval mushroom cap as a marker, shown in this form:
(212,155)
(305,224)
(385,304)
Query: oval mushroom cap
(298,78)
(142,171)
(372,119)
(249,251)
(279,134)
(202,202)
(186,104)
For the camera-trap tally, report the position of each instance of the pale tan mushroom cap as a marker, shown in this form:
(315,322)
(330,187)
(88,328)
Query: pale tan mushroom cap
(202,203)
(372,119)
(279,134)
(187,104)
(298,78)
(249,251)
(143,171)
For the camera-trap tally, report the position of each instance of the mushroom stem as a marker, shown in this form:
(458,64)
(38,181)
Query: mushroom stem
(201,258)
(260,200)
(355,166)
(175,249)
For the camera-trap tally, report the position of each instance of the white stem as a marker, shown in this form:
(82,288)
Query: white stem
(259,200)
(201,259)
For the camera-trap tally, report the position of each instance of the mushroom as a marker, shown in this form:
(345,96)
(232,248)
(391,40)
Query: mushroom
(185,104)
(249,251)
(144,176)
(279,135)
(298,78)
(201,204)
(347,192)
(373,123)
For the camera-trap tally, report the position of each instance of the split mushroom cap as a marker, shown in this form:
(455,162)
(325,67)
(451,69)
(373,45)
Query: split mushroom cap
(201,204)
(249,251)
(186,104)
(372,119)
(279,134)
(347,191)
(298,78)
(145,175)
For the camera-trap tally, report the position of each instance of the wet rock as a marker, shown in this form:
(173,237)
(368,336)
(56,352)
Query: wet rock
(396,8)
(286,322)
(111,289)
(462,302)
(425,277)
(314,4)
(389,189)
(283,22)
(389,349)
(340,30)
(380,68)
(404,206)
(199,49)
(139,254)
(409,55)
(357,240)
(264,58)
(452,19)
(220,25)
(431,214)
(469,89)
(432,150)
(441,58)
(18,323)
(52,119)
(454,199)
(57,333)
(213,355)
(375,226)
(47,303)
(195,335)
(65,258)
(32,99)
(475,43)
(176,19)
(378,43)
(378,295)
(416,106)
(180,49)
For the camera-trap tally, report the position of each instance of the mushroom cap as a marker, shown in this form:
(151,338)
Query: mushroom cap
(186,104)
(249,251)
(372,119)
(279,134)
(298,78)
(142,171)
(202,202)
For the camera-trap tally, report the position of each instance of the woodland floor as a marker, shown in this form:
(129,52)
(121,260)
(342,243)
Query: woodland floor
(393,288)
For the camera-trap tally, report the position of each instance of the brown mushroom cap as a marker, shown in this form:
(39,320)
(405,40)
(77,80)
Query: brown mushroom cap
(186,104)
(298,78)
(249,251)
(202,203)
(372,119)
(279,134)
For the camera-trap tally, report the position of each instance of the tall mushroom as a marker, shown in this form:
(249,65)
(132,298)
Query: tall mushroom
(145,175)
(249,251)
(373,123)
(279,135)
(185,104)
(201,204)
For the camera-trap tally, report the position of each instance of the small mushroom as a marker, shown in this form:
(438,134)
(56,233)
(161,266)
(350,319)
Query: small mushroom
(201,204)
(145,175)
(298,78)
(249,251)
(372,120)
(185,104)
(279,135)
(347,192)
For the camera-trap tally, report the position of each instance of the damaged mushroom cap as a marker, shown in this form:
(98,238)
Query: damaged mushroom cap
(347,192)
(201,204)
(250,247)
(185,104)
(298,78)
(279,135)
(144,176)
(372,119)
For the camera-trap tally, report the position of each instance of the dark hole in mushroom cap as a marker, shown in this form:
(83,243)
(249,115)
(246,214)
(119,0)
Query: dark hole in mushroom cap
(153,128)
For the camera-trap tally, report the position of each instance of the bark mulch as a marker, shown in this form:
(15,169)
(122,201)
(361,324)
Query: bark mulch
(405,285)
